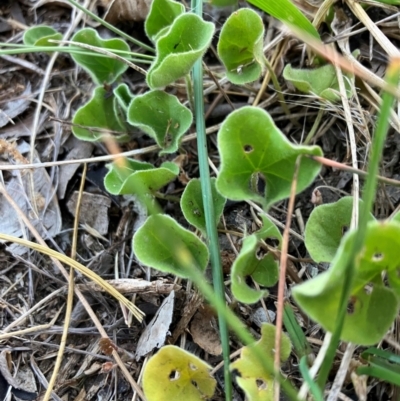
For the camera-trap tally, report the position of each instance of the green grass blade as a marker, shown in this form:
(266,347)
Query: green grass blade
(314,389)
(382,370)
(389,356)
(295,332)
(288,13)
(211,228)
(392,78)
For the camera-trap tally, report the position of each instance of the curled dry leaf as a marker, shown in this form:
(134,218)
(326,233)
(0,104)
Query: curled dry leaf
(7,380)
(205,332)
(126,10)
(155,333)
(316,198)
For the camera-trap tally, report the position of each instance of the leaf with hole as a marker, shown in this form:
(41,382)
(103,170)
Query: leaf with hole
(102,69)
(325,228)
(320,81)
(192,204)
(97,118)
(161,16)
(185,42)
(175,374)
(162,117)
(256,383)
(374,300)
(40,36)
(240,46)
(163,244)
(257,161)
(256,262)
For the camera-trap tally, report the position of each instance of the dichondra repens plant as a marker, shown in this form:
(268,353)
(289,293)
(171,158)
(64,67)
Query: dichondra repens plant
(257,163)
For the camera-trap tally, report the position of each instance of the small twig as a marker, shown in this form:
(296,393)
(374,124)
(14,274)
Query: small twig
(43,87)
(352,66)
(102,51)
(342,372)
(130,153)
(70,297)
(341,166)
(34,329)
(316,365)
(282,276)
(361,14)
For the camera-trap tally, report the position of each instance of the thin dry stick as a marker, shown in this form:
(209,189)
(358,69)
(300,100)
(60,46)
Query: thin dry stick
(282,276)
(342,372)
(341,166)
(130,153)
(70,297)
(316,365)
(360,13)
(376,103)
(30,329)
(36,118)
(348,65)
(44,301)
(78,293)
(102,51)
(353,145)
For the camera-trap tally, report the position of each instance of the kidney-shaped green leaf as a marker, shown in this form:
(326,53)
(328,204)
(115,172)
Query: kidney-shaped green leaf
(101,69)
(192,204)
(165,245)
(123,96)
(254,261)
(240,46)
(139,179)
(325,228)
(175,374)
(185,42)
(39,36)
(162,117)
(257,161)
(98,115)
(258,384)
(320,81)
(161,16)
(373,304)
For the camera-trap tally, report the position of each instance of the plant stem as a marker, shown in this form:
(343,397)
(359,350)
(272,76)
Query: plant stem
(392,79)
(212,233)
